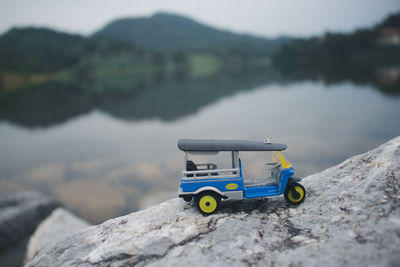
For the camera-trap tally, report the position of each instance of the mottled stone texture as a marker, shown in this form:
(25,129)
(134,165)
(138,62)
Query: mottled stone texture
(351,217)
(60,223)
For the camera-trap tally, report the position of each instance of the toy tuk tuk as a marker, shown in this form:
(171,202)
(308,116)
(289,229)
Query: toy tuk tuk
(208,185)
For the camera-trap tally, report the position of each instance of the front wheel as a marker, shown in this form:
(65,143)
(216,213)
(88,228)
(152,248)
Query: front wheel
(295,193)
(207,202)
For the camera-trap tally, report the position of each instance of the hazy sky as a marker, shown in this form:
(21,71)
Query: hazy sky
(262,17)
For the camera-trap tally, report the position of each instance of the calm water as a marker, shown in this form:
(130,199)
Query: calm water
(104,165)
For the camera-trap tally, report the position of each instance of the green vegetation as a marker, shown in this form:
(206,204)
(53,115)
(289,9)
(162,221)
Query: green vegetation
(171,33)
(55,76)
(140,68)
(39,50)
(53,102)
(162,45)
(362,56)
(204,65)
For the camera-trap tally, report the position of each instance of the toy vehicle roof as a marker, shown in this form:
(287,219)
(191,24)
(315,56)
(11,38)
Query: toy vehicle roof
(227,145)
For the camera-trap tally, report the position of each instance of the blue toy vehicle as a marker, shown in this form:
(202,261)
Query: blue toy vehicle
(207,184)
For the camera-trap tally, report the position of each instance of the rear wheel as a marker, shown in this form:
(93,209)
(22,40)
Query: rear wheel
(295,193)
(207,202)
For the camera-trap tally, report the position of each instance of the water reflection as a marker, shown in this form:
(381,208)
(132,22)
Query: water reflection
(129,97)
(124,96)
(104,166)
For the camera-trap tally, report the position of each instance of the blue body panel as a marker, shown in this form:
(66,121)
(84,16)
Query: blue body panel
(191,185)
(220,184)
(284,178)
(262,191)
(270,190)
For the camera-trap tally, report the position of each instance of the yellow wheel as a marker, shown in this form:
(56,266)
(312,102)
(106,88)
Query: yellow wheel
(295,193)
(207,202)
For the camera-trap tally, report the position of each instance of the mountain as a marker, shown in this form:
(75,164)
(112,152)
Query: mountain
(361,48)
(36,50)
(391,21)
(365,56)
(168,33)
(39,49)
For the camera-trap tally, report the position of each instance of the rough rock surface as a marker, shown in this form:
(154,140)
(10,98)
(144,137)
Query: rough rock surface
(351,217)
(60,223)
(20,214)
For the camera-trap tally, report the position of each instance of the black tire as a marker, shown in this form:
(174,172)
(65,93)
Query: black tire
(207,202)
(295,193)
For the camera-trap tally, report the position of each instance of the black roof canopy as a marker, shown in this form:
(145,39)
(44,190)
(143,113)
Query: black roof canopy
(227,145)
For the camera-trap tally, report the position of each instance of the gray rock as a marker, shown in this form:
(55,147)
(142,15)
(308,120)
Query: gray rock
(351,217)
(20,214)
(60,223)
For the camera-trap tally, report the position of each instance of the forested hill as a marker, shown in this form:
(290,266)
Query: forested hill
(26,49)
(168,33)
(364,48)
(161,35)
(365,56)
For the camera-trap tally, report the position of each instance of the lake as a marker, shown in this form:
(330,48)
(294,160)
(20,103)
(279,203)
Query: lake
(109,159)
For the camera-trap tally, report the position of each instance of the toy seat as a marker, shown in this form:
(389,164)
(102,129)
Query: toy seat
(191,166)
